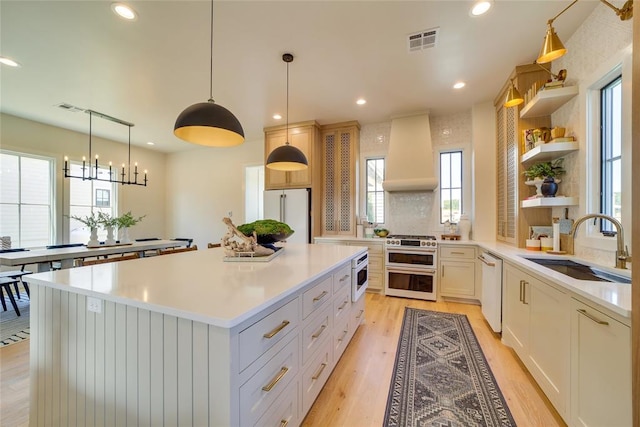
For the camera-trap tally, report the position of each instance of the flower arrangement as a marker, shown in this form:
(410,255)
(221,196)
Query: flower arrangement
(107,220)
(128,220)
(90,221)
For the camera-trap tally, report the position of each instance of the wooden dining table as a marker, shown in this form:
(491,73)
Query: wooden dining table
(44,257)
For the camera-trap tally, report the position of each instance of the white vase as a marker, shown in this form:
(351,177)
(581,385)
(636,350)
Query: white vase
(93,238)
(110,240)
(124,235)
(464,227)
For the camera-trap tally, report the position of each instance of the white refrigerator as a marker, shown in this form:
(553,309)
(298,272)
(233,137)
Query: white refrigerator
(293,207)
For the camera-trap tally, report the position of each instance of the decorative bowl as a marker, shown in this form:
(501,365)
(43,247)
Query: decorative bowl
(381,232)
(272,238)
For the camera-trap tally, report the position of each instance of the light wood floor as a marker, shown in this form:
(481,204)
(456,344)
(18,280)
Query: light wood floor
(356,393)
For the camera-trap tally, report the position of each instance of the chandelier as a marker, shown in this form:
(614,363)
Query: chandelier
(90,172)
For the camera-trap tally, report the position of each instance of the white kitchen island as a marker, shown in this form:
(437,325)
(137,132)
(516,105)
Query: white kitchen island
(189,339)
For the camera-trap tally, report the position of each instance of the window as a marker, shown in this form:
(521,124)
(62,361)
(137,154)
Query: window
(375,193)
(450,186)
(610,152)
(26,199)
(103,198)
(86,196)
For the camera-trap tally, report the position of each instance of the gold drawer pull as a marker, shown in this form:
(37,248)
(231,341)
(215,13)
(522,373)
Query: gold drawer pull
(278,328)
(360,315)
(317,374)
(457,253)
(276,379)
(284,423)
(319,297)
(344,334)
(345,277)
(592,317)
(317,334)
(343,305)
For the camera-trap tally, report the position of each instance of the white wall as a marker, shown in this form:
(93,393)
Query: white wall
(600,44)
(27,136)
(203,185)
(483,118)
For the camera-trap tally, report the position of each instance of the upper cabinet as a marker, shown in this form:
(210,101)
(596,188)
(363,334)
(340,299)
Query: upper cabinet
(304,136)
(545,102)
(340,147)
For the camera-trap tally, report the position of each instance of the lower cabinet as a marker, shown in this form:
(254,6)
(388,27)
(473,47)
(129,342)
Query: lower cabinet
(458,272)
(600,368)
(536,326)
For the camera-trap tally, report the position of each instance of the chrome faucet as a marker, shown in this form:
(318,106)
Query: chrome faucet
(622,254)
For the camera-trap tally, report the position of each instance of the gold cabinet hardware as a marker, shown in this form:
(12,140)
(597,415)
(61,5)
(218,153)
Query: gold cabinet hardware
(278,328)
(457,253)
(276,379)
(319,297)
(284,423)
(521,286)
(592,317)
(343,305)
(317,334)
(443,271)
(317,374)
(524,292)
(344,334)
(360,314)
(345,277)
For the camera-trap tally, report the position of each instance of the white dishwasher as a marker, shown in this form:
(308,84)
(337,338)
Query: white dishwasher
(492,290)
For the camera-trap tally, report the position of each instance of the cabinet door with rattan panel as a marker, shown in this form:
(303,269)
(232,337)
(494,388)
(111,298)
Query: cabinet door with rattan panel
(340,144)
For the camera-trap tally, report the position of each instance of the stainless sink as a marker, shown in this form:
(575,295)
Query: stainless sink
(579,271)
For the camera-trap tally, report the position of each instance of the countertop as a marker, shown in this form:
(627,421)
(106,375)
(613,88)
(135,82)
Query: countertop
(200,285)
(613,296)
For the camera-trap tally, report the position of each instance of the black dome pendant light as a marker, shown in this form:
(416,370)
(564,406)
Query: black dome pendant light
(207,123)
(287,157)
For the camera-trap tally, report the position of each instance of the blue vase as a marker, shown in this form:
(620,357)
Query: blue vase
(549,187)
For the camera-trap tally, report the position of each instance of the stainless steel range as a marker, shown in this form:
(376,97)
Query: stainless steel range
(411,266)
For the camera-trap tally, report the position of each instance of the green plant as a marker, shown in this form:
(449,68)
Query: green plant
(543,170)
(264,227)
(90,221)
(128,220)
(107,220)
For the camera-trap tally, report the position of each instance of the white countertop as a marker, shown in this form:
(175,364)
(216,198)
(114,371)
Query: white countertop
(614,296)
(199,285)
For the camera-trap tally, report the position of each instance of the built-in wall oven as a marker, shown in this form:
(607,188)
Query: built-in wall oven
(411,267)
(359,276)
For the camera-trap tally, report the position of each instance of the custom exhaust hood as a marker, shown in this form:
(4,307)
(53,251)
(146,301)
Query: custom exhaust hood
(409,164)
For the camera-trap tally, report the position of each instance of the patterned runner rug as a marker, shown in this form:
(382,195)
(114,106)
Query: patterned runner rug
(14,329)
(441,377)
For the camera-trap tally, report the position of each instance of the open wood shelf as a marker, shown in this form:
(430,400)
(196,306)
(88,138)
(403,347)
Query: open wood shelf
(547,101)
(549,151)
(547,202)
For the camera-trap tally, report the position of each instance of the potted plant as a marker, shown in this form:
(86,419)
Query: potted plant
(91,222)
(109,223)
(544,175)
(124,222)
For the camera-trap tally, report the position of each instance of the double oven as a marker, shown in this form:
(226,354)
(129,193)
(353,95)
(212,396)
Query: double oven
(411,266)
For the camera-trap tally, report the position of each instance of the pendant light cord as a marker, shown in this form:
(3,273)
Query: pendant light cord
(211,58)
(286,140)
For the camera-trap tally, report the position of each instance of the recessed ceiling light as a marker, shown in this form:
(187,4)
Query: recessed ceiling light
(459,85)
(124,11)
(480,8)
(277,116)
(151,143)
(8,61)
(361,101)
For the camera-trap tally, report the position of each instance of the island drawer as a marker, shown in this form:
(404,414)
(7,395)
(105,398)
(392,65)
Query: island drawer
(285,410)
(342,304)
(342,278)
(260,391)
(341,334)
(461,252)
(315,297)
(315,376)
(315,333)
(266,332)
(357,314)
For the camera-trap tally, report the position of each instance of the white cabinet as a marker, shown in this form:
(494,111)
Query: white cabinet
(458,271)
(536,326)
(600,368)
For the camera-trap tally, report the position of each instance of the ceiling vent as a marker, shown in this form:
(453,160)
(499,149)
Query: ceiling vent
(69,107)
(423,40)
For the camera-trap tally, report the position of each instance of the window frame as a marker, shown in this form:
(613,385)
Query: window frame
(442,189)
(52,193)
(380,191)
(607,160)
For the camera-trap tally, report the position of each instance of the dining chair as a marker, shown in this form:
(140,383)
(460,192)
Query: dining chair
(83,263)
(5,286)
(213,245)
(18,275)
(177,250)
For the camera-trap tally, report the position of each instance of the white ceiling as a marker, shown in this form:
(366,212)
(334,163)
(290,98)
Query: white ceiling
(148,71)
